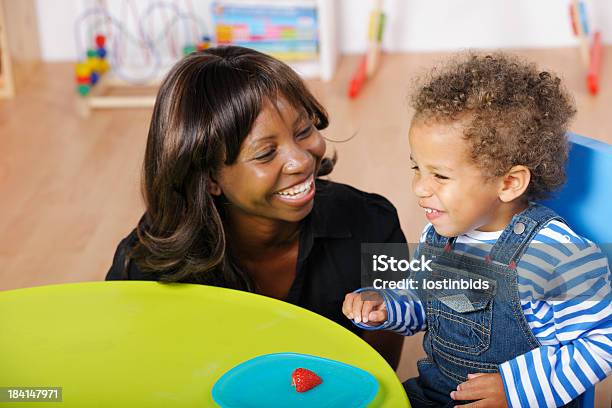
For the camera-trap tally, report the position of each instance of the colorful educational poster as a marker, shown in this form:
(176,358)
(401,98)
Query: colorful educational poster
(289,33)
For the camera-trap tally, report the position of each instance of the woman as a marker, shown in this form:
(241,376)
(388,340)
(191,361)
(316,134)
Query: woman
(232,194)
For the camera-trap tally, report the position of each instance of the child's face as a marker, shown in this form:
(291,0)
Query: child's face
(455,194)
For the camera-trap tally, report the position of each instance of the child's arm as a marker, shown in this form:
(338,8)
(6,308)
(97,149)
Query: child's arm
(399,311)
(545,377)
(576,338)
(369,308)
(554,375)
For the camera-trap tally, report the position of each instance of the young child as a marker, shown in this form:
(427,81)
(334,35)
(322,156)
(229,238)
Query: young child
(488,138)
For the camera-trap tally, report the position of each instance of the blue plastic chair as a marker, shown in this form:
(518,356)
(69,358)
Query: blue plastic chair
(585,201)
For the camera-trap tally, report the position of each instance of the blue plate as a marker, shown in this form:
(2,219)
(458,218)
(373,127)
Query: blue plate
(265,381)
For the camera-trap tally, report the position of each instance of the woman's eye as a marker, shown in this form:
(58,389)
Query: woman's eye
(266,155)
(305,132)
(415,168)
(440,177)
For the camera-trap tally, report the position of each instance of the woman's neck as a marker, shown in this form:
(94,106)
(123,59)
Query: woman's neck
(251,237)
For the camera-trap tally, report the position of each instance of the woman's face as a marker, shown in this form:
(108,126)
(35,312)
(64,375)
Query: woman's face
(273,176)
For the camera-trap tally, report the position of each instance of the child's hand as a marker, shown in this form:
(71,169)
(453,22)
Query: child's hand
(367,307)
(487,390)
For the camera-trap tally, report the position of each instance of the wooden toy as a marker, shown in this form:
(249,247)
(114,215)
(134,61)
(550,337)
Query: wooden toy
(368,64)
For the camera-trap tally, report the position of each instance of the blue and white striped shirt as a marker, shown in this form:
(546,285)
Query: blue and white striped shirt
(575,332)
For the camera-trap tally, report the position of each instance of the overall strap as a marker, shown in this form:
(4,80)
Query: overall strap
(515,238)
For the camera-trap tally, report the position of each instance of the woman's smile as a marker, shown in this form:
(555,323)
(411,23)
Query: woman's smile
(299,194)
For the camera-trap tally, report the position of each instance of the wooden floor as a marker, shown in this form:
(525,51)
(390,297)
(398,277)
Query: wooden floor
(69,186)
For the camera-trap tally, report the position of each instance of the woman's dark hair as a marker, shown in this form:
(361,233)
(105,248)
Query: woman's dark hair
(204,110)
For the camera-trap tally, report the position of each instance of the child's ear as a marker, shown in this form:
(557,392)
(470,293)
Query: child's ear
(514,183)
(213,186)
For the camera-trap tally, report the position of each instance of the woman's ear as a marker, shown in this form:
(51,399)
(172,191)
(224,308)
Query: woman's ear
(514,183)
(213,186)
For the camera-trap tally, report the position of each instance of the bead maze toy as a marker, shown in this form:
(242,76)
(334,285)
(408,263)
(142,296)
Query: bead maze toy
(590,54)
(110,74)
(88,73)
(126,49)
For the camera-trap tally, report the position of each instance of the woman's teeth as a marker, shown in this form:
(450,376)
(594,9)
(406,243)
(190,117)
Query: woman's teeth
(297,191)
(431,211)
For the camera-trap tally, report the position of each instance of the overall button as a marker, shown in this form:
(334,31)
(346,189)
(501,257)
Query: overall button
(519,228)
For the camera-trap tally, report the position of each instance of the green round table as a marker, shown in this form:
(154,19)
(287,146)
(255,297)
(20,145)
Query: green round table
(160,345)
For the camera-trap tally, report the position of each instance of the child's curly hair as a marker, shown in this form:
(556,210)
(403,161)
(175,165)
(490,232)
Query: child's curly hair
(514,115)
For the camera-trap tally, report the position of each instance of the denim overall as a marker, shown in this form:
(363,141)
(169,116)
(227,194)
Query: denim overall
(473,331)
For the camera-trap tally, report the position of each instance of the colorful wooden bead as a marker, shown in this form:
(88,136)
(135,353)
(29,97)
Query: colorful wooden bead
(103,66)
(94,63)
(93,79)
(204,44)
(188,49)
(83,69)
(100,40)
(83,79)
(83,89)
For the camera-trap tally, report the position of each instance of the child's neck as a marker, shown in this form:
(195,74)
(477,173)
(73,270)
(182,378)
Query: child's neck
(502,215)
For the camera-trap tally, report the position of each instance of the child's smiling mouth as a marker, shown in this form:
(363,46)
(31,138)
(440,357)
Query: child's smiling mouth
(432,213)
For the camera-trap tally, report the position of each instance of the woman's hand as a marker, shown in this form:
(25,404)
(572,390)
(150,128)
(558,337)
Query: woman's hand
(487,390)
(367,307)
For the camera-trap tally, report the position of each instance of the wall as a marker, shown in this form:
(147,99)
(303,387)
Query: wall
(413,25)
(430,25)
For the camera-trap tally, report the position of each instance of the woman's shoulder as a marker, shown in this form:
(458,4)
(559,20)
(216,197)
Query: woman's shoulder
(122,269)
(338,195)
(370,215)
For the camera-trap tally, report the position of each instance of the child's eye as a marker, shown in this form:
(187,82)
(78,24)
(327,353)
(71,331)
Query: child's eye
(440,177)
(415,168)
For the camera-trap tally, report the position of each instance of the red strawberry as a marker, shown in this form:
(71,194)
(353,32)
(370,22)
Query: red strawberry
(304,380)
